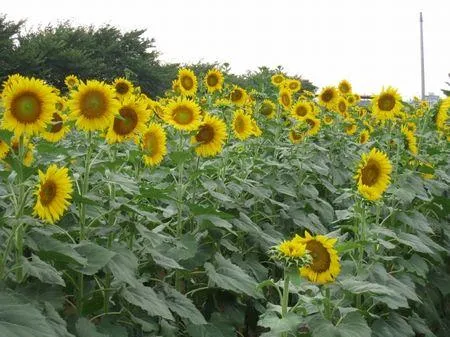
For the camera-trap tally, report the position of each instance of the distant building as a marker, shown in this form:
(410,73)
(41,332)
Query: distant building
(432,98)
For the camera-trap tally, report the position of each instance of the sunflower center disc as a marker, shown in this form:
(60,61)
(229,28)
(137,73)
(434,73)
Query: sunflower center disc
(47,193)
(301,111)
(311,123)
(127,123)
(285,99)
(342,107)
(150,144)
(293,86)
(370,173)
(183,115)
(212,80)
(187,82)
(236,95)
(278,79)
(239,125)
(321,258)
(266,109)
(93,105)
(327,96)
(56,124)
(386,102)
(122,88)
(26,108)
(205,135)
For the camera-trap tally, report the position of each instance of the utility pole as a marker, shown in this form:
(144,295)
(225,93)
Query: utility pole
(422,63)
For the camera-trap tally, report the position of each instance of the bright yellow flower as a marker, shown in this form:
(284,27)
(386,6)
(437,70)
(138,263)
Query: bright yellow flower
(183,114)
(122,87)
(387,104)
(242,125)
(301,110)
(153,144)
(214,80)
(211,136)
(187,81)
(285,98)
(71,81)
(345,87)
(57,128)
(292,248)
(268,109)
(328,97)
(277,79)
(238,96)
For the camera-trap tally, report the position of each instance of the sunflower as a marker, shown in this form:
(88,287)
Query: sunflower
(328,120)
(411,140)
(325,266)
(210,137)
(28,106)
(301,109)
(122,87)
(28,157)
(296,136)
(71,81)
(293,85)
(183,114)
(351,129)
(187,81)
(214,80)
(129,122)
(342,106)
(285,98)
(364,137)
(242,125)
(267,109)
(53,193)
(4,149)
(313,125)
(277,79)
(351,99)
(328,97)
(56,129)
(441,118)
(387,104)
(238,96)
(93,106)
(345,87)
(373,174)
(292,248)
(256,131)
(153,144)
(12,79)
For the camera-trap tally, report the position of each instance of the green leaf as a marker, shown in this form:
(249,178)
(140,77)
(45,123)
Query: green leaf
(227,275)
(352,325)
(163,260)
(360,287)
(124,265)
(43,271)
(414,242)
(183,306)
(86,328)
(97,257)
(416,221)
(279,325)
(127,184)
(394,326)
(55,321)
(146,299)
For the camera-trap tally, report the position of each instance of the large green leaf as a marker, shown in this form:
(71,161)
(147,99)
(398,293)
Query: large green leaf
(43,271)
(393,326)
(97,257)
(352,325)
(279,325)
(183,306)
(124,265)
(86,328)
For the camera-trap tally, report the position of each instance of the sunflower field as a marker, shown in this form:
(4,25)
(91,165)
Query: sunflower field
(222,211)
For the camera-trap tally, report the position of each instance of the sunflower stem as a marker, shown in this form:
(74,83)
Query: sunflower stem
(19,229)
(285,299)
(180,192)
(327,304)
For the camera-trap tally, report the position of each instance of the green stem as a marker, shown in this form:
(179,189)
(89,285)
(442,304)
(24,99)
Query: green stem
(285,299)
(19,230)
(327,304)
(180,227)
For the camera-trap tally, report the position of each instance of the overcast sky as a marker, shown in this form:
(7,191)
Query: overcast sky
(371,43)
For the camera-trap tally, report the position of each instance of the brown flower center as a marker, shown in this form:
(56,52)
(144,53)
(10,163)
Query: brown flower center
(344,87)
(127,121)
(93,104)
(239,124)
(327,95)
(212,80)
(301,111)
(47,192)
(370,173)
(183,115)
(187,82)
(342,107)
(151,144)
(311,123)
(122,88)
(236,95)
(321,258)
(56,123)
(266,109)
(293,85)
(386,102)
(286,100)
(205,135)
(26,108)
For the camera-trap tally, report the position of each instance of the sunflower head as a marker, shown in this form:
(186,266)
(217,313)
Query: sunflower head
(267,109)
(364,136)
(183,114)
(387,104)
(342,106)
(296,136)
(53,193)
(325,266)
(345,87)
(350,129)
(242,125)
(328,120)
(301,109)
(122,87)
(293,85)
(238,96)
(153,144)
(210,137)
(71,81)
(312,124)
(214,80)
(285,98)
(410,140)
(187,81)
(373,174)
(57,128)
(328,97)
(277,79)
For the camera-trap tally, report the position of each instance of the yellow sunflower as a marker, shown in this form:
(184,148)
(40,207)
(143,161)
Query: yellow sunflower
(351,99)
(211,136)
(28,106)
(53,193)
(342,106)
(28,158)
(71,81)
(93,106)
(176,86)
(301,110)
(293,85)
(328,120)
(267,109)
(256,131)
(292,248)
(187,81)
(122,87)
(238,96)
(411,140)
(351,129)
(328,97)
(129,122)
(183,114)
(387,104)
(364,137)
(345,87)
(285,98)
(313,125)
(296,136)
(57,128)
(325,266)
(4,149)
(277,79)
(11,80)
(373,175)
(442,115)
(153,144)
(214,80)
(242,125)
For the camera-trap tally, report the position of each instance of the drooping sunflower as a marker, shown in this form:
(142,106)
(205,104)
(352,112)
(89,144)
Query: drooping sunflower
(277,79)
(130,121)
(210,137)
(373,174)
(267,109)
(313,125)
(183,114)
(364,137)
(292,248)
(57,128)
(285,98)
(325,266)
(122,87)
(53,193)
(242,125)
(328,97)
(293,85)
(28,106)
(214,80)
(301,109)
(153,144)
(187,81)
(71,81)
(93,106)
(238,96)
(296,136)
(345,87)
(387,104)
(256,130)
(4,149)
(410,139)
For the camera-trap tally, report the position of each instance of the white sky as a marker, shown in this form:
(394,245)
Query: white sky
(371,43)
